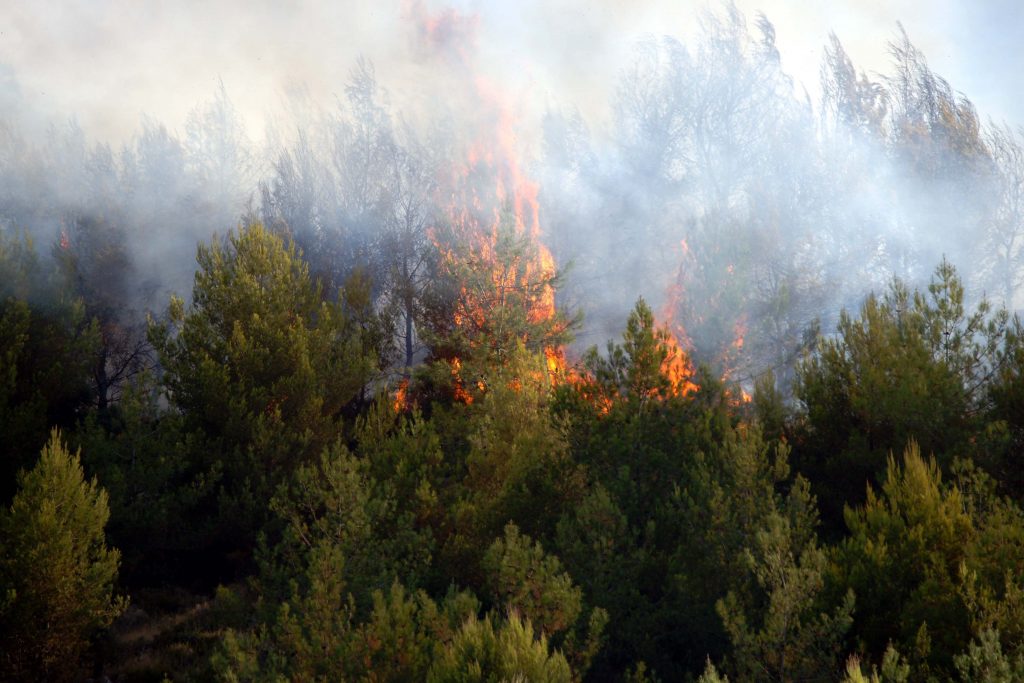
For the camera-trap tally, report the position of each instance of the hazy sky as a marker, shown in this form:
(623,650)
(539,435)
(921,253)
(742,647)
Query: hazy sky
(109,62)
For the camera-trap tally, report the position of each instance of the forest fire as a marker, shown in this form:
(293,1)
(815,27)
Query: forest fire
(490,238)
(461,395)
(677,366)
(400,403)
(438,371)
(498,236)
(730,355)
(490,243)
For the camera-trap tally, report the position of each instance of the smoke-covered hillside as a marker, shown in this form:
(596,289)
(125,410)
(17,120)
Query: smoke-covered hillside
(496,342)
(747,211)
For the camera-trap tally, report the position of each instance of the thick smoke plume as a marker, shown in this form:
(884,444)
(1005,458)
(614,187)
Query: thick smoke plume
(747,204)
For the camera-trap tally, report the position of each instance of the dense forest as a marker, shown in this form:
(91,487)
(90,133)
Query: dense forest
(732,389)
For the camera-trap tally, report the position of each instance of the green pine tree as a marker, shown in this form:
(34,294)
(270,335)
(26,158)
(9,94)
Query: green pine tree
(56,571)
(262,366)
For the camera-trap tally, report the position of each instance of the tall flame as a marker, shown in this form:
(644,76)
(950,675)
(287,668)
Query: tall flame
(729,355)
(677,365)
(489,180)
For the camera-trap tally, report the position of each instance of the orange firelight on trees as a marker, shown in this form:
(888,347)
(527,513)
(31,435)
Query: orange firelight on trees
(484,196)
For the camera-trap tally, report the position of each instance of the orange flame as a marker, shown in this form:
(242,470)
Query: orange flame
(488,179)
(674,298)
(677,366)
(680,340)
(401,400)
(555,362)
(461,395)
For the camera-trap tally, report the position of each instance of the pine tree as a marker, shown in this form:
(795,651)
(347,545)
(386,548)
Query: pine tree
(262,367)
(523,577)
(46,346)
(790,636)
(485,652)
(904,558)
(56,571)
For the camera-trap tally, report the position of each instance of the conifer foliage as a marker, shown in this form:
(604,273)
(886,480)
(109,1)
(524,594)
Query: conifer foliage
(56,571)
